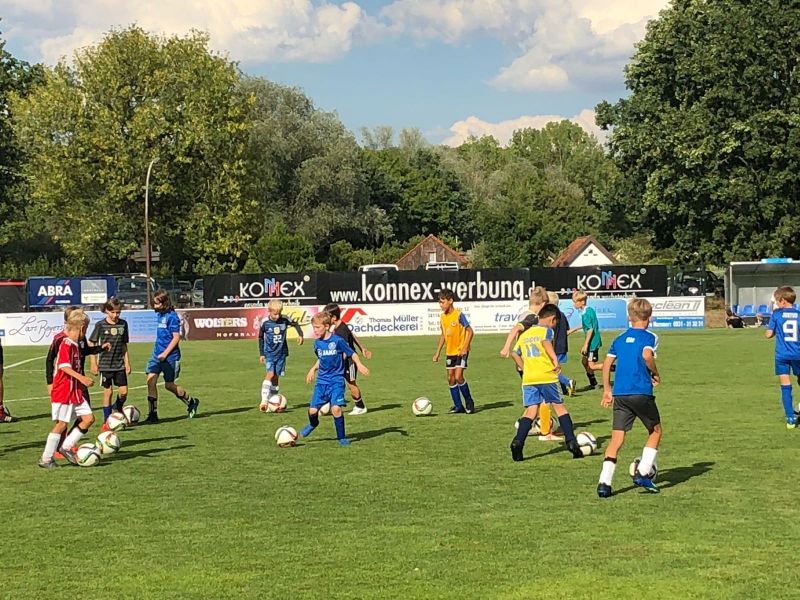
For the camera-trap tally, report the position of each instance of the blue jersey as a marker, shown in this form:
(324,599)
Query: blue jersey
(329,352)
(784,323)
(166,324)
(272,336)
(632,375)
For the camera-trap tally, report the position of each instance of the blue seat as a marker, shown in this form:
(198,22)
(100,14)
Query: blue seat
(735,309)
(748,311)
(763,309)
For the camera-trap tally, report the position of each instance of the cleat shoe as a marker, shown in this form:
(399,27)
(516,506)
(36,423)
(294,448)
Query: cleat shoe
(516,450)
(152,418)
(571,388)
(470,410)
(69,455)
(57,455)
(791,424)
(192,407)
(344,442)
(604,490)
(575,449)
(645,483)
(105,427)
(47,464)
(357,411)
(456,411)
(306,431)
(5,416)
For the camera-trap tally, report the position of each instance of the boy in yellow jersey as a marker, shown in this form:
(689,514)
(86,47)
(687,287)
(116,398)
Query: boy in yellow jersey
(534,354)
(457,335)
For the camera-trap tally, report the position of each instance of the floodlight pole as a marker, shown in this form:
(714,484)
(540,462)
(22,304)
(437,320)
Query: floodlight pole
(147,231)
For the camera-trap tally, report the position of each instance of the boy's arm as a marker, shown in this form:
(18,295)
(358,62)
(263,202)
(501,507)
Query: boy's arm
(176,339)
(607,397)
(299,331)
(127,360)
(439,347)
(87,381)
(650,361)
(312,372)
(518,359)
(359,365)
(49,365)
(261,340)
(548,348)
(585,347)
(467,341)
(510,339)
(357,343)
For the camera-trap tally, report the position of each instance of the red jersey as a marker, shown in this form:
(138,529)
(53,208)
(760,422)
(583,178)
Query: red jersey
(66,389)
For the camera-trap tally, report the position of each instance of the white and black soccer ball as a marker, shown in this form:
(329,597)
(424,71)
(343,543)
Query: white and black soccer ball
(586,442)
(421,407)
(286,436)
(632,470)
(534,430)
(87,455)
(132,414)
(276,403)
(116,421)
(108,442)
(325,409)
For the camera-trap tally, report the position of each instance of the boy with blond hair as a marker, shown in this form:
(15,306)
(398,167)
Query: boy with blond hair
(784,326)
(68,394)
(273,348)
(632,397)
(590,350)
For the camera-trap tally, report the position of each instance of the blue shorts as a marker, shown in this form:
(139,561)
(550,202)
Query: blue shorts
(328,392)
(537,393)
(170,368)
(562,358)
(275,364)
(787,367)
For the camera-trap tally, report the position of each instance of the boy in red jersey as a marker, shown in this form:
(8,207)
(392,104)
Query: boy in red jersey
(68,394)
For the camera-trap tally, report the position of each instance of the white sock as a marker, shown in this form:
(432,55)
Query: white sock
(266,390)
(50,446)
(648,460)
(72,439)
(607,472)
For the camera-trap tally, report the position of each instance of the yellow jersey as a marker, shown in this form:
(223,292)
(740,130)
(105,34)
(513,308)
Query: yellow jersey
(536,364)
(454,329)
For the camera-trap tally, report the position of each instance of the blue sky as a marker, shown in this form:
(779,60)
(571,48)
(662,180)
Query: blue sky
(449,67)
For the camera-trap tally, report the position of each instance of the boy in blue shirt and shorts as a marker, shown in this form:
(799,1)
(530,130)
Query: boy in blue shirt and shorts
(634,352)
(166,358)
(783,326)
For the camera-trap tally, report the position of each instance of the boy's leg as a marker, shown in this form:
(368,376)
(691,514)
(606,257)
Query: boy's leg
(787,401)
(649,451)
(5,416)
(319,398)
(171,372)
(525,423)
(84,413)
(454,393)
(53,441)
(122,397)
(338,421)
(463,388)
(107,409)
(604,489)
(355,393)
(152,398)
(586,362)
(266,387)
(567,427)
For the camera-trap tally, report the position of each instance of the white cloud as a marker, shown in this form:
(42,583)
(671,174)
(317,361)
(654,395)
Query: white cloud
(502,131)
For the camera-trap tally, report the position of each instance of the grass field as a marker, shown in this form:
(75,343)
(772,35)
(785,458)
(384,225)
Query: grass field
(417,507)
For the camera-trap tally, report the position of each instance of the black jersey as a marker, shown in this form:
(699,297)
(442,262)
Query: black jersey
(115,334)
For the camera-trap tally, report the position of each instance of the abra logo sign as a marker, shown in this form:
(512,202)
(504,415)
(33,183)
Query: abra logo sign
(610,281)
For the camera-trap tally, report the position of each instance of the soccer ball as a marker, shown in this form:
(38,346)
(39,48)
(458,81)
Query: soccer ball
(286,436)
(108,443)
(132,414)
(587,442)
(87,455)
(652,475)
(534,430)
(116,421)
(325,409)
(421,406)
(276,403)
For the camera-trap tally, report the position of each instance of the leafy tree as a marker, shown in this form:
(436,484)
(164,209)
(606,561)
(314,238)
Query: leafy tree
(283,251)
(709,139)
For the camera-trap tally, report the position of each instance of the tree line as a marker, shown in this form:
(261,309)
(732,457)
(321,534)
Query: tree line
(701,162)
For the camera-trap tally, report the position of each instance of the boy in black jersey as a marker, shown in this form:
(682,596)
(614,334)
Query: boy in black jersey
(341,329)
(113,365)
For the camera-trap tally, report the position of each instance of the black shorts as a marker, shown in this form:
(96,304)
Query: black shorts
(456,361)
(629,408)
(117,378)
(350,370)
(593,355)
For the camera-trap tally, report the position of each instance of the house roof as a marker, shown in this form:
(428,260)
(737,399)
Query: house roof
(458,256)
(574,250)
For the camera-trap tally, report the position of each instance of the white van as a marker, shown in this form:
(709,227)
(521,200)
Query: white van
(377,268)
(441,266)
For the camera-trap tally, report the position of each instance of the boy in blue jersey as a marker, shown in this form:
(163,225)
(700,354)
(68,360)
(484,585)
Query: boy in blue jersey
(535,356)
(783,326)
(590,350)
(166,358)
(329,372)
(273,348)
(634,352)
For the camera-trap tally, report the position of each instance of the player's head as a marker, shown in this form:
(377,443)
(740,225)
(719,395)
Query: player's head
(112,308)
(69,310)
(537,296)
(275,308)
(579,298)
(639,310)
(446,299)
(76,324)
(548,315)
(321,323)
(552,298)
(334,310)
(162,302)
(785,295)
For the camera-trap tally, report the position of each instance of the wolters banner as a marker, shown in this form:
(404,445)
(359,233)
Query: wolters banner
(607,280)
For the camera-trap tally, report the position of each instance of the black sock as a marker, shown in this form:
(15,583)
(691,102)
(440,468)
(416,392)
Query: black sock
(153,404)
(359,402)
(313,420)
(185,398)
(592,379)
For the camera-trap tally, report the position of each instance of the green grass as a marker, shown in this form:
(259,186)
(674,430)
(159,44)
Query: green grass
(416,507)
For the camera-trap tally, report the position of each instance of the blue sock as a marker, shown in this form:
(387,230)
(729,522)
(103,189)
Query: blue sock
(567,428)
(313,421)
(786,399)
(464,387)
(524,428)
(107,410)
(456,397)
(339,422)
